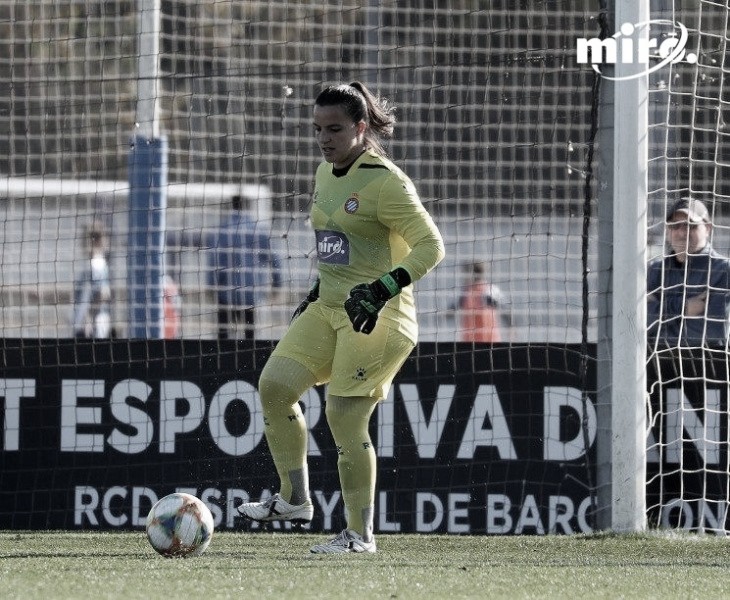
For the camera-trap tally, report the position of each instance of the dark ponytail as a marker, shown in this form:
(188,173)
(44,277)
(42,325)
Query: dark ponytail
(361,105)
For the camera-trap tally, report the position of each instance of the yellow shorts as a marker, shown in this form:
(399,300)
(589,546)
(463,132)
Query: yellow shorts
(352,363)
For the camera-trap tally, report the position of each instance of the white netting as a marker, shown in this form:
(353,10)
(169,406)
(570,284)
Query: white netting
(690,158)
(489,100)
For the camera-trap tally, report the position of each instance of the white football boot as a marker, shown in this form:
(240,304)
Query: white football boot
(277,509)
(347,541)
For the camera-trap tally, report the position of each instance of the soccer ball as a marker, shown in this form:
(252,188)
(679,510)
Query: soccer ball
(179,525)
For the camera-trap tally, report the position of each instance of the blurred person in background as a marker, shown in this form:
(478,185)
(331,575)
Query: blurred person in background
(688,289)
(92,316)
(171,308)
(479,306)
(243,270)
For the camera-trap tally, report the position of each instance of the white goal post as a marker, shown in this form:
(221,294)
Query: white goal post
(621,351)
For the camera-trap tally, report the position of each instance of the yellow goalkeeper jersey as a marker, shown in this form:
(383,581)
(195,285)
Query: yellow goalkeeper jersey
(367,222)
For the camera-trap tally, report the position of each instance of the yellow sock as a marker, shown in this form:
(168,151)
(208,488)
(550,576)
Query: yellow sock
(348,419)
(281,384)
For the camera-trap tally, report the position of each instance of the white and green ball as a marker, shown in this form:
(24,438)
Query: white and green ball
(179,525)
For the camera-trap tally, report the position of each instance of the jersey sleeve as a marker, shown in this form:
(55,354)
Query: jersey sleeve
(401,210)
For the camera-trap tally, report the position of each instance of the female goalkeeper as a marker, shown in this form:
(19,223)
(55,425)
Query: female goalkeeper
(358,324)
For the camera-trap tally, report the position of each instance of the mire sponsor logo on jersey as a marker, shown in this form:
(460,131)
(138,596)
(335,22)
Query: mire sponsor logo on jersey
(333,247)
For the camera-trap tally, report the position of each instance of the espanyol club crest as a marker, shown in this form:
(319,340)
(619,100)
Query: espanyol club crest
(352,204)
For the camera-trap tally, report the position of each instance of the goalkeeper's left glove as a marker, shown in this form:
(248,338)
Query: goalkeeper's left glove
(366,300)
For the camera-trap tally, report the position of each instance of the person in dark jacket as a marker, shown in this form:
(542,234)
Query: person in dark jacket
(243,268)
(688,289)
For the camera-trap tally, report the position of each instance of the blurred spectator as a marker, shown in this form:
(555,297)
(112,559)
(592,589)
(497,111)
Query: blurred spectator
(172,308)
(243,269)
(688,289)
(92,290)
(479,306)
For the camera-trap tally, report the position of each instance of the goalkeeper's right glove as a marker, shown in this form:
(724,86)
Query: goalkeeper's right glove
(311,297)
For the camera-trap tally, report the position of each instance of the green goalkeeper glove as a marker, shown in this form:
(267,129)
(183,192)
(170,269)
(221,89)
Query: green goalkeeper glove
(366,300)
(311,297)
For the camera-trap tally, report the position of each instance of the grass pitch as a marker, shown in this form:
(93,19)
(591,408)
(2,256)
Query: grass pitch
(96,565)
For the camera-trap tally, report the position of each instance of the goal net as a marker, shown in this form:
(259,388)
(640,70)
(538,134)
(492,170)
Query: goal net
(488,433)
(687,361)
(491,124)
